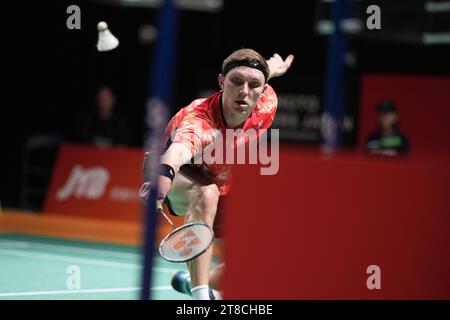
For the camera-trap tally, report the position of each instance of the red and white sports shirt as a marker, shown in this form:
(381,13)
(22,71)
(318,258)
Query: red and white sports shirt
(198,125)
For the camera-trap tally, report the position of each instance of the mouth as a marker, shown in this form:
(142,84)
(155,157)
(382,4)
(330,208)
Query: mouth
(241,104)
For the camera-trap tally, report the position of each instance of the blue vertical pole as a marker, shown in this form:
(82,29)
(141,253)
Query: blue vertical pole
(161,75)
(335,79)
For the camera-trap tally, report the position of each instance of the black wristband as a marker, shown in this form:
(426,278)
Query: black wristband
(167,171)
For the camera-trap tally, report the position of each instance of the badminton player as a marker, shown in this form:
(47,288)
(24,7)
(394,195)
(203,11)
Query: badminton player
(194,189)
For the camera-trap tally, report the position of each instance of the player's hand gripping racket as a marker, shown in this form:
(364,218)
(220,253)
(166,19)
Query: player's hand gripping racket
(186,242)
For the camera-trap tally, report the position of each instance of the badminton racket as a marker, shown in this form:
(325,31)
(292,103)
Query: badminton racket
(185,242)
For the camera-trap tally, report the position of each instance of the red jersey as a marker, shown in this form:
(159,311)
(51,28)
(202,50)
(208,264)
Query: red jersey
(198,125)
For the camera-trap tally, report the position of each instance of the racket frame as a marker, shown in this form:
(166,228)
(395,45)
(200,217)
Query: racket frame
(184,226)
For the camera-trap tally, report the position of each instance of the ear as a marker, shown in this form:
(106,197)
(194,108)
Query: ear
(221,80)
(265,87)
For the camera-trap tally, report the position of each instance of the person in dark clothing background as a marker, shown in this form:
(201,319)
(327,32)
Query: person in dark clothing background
(387,140)
(104,127)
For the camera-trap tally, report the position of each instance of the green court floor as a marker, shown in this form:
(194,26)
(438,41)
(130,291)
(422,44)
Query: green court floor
(42,268)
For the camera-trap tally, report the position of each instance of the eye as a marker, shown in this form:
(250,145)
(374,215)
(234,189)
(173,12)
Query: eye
(237,81)
(254,84)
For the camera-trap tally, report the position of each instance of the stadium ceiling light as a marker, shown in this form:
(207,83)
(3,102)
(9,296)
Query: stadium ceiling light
(436,38)
(443,6)
(351,25)
(212,6)
(325,27)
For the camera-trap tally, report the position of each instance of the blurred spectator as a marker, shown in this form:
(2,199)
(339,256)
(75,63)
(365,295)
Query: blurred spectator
(104,127)
(387,140)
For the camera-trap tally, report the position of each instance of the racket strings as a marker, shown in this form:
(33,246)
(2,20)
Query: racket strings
(186,242)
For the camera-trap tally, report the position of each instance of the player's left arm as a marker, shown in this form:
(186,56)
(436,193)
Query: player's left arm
(278,66)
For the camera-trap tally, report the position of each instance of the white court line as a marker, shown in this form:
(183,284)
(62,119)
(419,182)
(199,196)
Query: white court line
(59,292)
(15,244)
(69,259)
(66,248)
(168,270)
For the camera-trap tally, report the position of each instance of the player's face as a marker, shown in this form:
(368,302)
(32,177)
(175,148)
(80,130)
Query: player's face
(105,102)
(242,87)
(388,120)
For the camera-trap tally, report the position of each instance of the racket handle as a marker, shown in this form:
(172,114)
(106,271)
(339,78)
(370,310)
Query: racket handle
(160,209)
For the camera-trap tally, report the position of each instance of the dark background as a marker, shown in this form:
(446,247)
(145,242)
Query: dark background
(50,73)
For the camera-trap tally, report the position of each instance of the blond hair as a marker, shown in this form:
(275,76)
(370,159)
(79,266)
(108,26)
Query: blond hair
(246,57)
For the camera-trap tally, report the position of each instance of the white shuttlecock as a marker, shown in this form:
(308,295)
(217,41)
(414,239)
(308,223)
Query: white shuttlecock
(106,40)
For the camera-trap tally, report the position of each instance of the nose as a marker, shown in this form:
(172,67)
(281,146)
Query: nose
(243,91)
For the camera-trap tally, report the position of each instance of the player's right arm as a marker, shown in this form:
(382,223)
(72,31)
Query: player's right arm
(175,156)
(186,141)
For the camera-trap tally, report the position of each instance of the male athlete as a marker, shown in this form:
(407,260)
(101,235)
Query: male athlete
(245,101)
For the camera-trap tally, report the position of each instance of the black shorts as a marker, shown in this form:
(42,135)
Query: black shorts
(217,227)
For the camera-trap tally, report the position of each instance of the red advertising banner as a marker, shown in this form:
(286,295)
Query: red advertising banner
(338,228)
(96,182)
